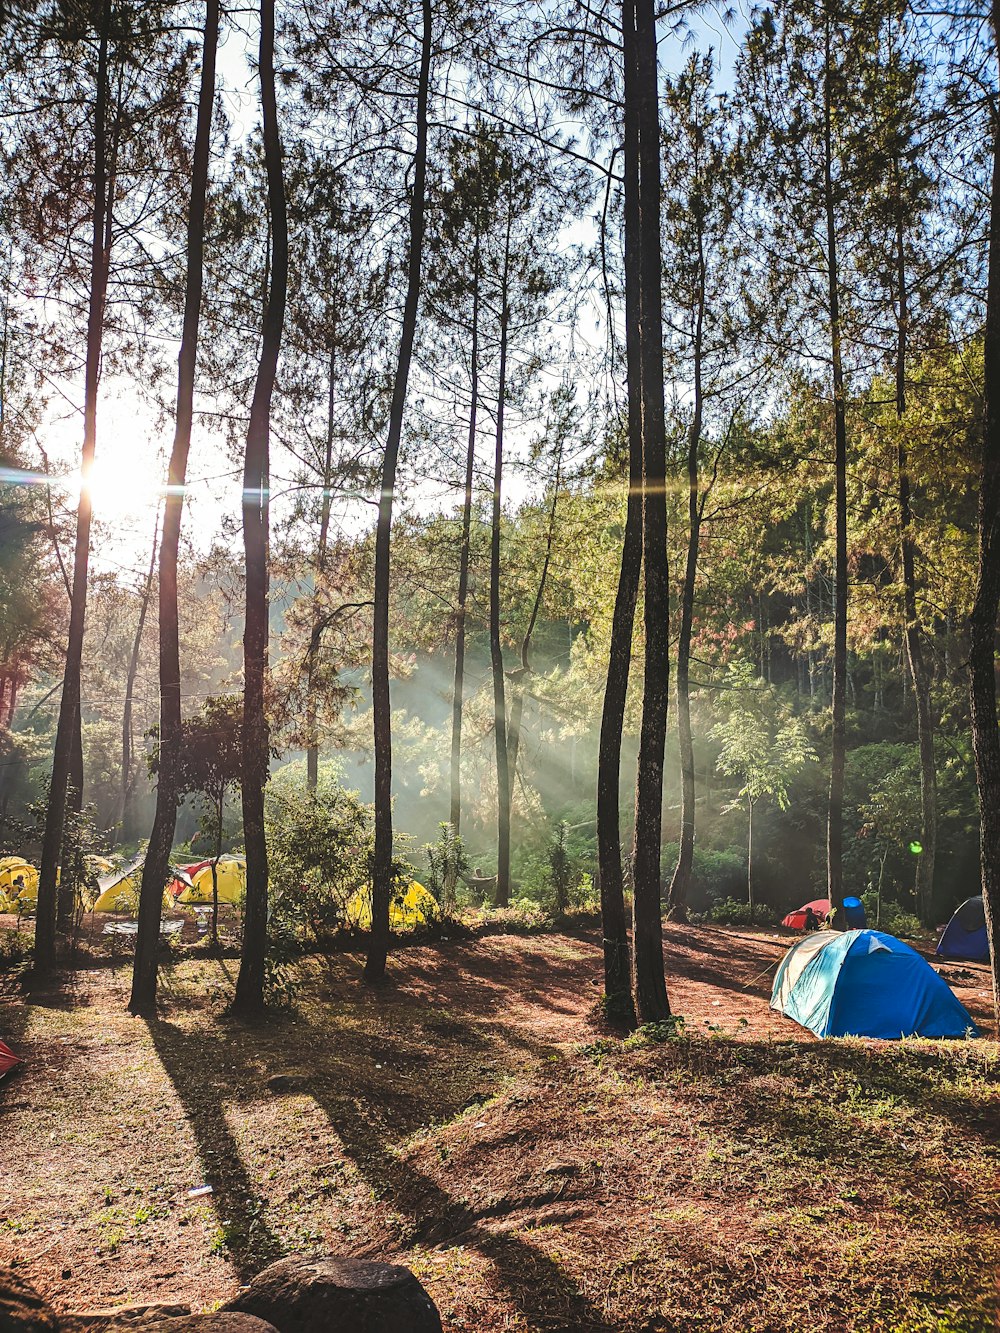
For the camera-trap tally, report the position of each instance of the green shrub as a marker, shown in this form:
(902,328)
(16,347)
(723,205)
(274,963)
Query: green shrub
(447,862)
(15,949)
(524,916)
(319,848)
(893,919)
(715,875)
(647,1034)
(730,912)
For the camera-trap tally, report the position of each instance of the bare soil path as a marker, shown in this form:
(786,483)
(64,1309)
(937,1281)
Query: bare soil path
(473,1118)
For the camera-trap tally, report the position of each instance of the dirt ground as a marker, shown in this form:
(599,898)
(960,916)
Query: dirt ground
(474,1119)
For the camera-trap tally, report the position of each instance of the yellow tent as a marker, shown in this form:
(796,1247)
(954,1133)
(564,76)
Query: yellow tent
(100,867)
(416,907)
(232,879)
(12,868)
(119,891)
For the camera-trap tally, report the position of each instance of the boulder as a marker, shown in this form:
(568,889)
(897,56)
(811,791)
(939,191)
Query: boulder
(127,1315)
(151,1320)
(292,1081)
(22,1310)
(211,1323)
(331,1295)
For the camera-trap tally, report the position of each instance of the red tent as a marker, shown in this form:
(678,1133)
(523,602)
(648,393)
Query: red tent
(7,1059)
(797,920)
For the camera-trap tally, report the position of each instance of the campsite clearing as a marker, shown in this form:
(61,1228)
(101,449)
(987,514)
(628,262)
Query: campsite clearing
(474,1119)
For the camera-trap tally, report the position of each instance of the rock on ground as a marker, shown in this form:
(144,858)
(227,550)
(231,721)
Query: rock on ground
(22,1310)
(330,1295)
(151,1321)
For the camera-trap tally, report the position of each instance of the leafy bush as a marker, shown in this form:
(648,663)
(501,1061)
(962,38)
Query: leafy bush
(561,872)
(647,1034)
(447,862)
(715,875)
(585,896)
(15,950)
(730,912)
(893,919)
(524,916)
(319,847)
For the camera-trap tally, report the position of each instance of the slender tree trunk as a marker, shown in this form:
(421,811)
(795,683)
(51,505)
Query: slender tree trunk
(919,673)
(677,898)
(878,893)
(457,698)
(69,710)
(312,749)
(496,649)
(128,779)
(617,980)
(838,736)
(220,810)
(519,677)
(378,947)
(750,858)
(983,621)
(648,982)
(69,855)
(154,871)
(312,752)
(249,997)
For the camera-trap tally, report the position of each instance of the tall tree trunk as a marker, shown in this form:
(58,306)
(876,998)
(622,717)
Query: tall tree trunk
(69,855)
(128,778)
(496,649)
(518,677)
(458,692)
(312,749)
(154,871)
(677,898)
(750,858)
(219,813)
(69,710)
(838,736)
(983,621)
(249,996)
(641,100)
(378,947)
(920,675)
(617,979)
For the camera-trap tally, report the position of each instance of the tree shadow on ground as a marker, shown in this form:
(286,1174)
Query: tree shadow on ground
(853,1077)
(202,1088)
(558,984)
(722,962)
(538,1285)
(227,1064)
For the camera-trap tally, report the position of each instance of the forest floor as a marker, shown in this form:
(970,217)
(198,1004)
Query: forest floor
(473,1119)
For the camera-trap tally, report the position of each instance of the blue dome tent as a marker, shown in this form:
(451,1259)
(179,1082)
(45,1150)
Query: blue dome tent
(863,983)
(965,934)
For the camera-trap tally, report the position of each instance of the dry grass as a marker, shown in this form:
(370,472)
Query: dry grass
(535,1174)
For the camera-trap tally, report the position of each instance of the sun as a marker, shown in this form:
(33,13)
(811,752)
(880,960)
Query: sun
(126,480)
(123,487)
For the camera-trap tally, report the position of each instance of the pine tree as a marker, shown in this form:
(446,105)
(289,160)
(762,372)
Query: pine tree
(155,867)
(382,871)
(249,997)
(983,621)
